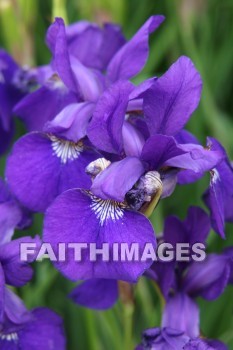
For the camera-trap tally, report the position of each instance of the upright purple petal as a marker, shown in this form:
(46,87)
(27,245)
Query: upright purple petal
(182,313)
(131,58)
(194,229)
(98,294)
(57,42)
(105,129)
(172,99)
(94,46)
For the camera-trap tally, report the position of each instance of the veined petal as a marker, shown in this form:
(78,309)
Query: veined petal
(76,216)
(131,58)
(42,166)
(98,294)
(172,99)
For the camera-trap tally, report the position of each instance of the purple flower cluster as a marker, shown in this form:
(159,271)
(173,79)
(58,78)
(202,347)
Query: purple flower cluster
(99,154)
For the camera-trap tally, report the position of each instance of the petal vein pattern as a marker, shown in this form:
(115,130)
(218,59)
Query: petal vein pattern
(106,209)
(66,150)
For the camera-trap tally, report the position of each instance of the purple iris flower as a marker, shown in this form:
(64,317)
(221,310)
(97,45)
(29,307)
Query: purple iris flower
(38,329)
(59,152)
(182,282)
(172,339)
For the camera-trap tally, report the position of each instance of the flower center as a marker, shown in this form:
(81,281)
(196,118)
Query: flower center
(66,150)
(106,209)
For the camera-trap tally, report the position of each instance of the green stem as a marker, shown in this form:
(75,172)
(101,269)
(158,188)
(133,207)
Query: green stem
(128,326)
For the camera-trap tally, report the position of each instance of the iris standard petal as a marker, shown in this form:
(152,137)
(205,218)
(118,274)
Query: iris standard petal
(131,58)
(182,313)
(172,99)
(105,128)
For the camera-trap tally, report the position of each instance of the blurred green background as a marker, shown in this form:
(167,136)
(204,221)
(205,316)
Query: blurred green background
(200,29)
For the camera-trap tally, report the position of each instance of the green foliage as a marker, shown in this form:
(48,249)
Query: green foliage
(202,30)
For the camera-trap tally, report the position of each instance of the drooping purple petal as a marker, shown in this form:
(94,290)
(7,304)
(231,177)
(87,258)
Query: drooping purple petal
(77,216)
(41,167)
(196,158)
(208,278)
(105,128)
(99,294)
(116,180)
(172,99)
(182,313)
(131,58)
